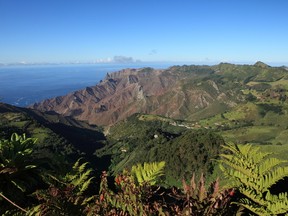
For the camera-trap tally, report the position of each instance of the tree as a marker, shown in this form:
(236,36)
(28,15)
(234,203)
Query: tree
(250,97)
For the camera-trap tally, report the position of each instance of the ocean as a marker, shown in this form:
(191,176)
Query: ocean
(27,84)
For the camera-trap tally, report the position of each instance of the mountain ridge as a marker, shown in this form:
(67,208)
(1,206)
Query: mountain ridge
(180,92)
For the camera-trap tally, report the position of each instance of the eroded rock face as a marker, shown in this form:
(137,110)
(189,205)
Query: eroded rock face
(129,91)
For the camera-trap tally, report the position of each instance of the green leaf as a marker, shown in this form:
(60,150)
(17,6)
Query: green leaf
(148,172)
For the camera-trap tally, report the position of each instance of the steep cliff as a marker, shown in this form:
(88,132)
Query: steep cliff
(178,92)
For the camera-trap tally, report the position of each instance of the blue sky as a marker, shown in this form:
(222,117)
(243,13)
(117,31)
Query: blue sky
(203,31)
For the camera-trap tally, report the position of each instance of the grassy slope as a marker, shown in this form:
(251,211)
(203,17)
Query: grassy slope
(21,122)
(263,120)
(260,119)
(55,133)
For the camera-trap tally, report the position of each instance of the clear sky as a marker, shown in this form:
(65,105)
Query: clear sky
(147,30)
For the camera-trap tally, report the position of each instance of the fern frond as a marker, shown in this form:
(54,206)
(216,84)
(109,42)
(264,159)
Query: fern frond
(273,176)
(86,184)
(239,166)
(79,178)
(82,167)
(250,206)
(277,204)
(253,195)
(253,173)
(76,164)
(266,165)
(148,173)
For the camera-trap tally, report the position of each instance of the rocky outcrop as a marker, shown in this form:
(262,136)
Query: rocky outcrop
(165,92)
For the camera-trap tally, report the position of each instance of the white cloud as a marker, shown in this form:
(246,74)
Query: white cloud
(116,59)
(123,59)
(103,60)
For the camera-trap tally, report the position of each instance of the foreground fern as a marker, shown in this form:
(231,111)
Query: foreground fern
(134,190)
(20,171)
(253,173)
(65,195)
(148,172)
(131,198)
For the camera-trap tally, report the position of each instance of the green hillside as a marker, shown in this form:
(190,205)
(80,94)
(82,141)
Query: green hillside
(234,84)
(55,134)
(254,110)
(147,138)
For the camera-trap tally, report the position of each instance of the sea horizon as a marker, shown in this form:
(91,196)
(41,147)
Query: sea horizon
(24,85)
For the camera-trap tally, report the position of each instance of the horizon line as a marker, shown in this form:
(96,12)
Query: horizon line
(272,63)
